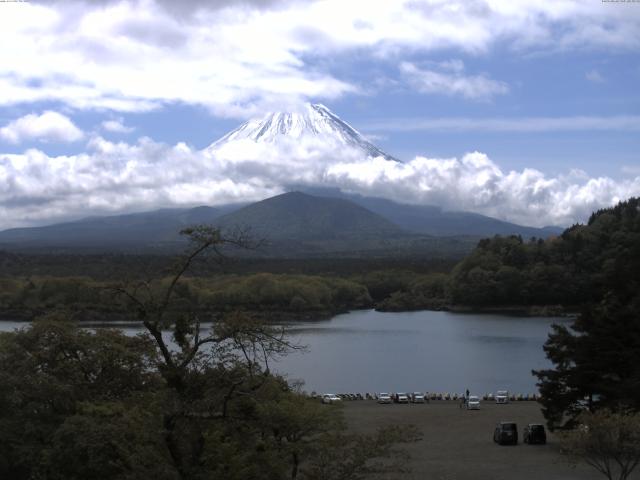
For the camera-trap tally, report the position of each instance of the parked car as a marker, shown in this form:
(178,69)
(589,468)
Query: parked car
(534,433)
(402,398)
(417,397)
(384,398)
(330,398)
(502,396)
(473,403)
(506,433)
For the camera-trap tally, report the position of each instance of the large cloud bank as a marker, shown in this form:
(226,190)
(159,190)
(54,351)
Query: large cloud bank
(239,57)
(113,177)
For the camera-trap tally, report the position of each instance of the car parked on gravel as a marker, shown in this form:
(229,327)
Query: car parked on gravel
(402,398)
(534,433)
(502,396)
(417,397)
(329,398)
(506,433)
(384,398)
(473,403)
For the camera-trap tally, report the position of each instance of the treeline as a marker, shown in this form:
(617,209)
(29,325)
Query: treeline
(84,286)
(90,299)
(119,266)
(501,272)
(574,268)
(557,273)
(266,293)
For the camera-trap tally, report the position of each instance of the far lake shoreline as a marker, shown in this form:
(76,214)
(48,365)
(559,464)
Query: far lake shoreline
(277,316)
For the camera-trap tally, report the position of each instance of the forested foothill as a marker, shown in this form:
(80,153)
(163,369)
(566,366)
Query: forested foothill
(540,276)
(82,285)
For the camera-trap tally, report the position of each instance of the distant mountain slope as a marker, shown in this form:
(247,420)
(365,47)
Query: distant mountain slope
(432,220)
(145,229)
(303,217)
(296,224)
(292,225)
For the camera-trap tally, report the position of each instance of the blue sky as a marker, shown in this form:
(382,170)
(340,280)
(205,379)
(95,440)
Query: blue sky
(96,95)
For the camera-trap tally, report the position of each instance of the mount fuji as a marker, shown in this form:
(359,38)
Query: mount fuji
(312,122)
(316,219)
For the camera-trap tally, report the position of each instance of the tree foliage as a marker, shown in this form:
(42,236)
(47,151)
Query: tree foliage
(179,402)
(597,359)
(607,441)
(578,267)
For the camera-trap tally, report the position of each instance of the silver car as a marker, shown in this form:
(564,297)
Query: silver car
(384,398)
(402,398)
(473,403)
(417,397)
(330,398)
(502,396)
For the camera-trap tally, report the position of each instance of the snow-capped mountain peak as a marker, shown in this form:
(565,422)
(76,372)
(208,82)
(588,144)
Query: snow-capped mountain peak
(311,121)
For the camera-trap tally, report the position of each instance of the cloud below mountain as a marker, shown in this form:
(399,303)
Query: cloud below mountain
(117,177)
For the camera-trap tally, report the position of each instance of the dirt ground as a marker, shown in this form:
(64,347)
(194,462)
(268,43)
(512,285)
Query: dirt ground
(458,444)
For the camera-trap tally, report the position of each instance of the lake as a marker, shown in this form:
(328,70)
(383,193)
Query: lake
(369,351)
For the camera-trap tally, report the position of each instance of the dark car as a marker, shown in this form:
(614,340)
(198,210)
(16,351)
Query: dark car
(506,433)
(534,433)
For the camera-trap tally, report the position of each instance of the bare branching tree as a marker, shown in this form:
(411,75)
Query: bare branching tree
(235,349)
(168,309)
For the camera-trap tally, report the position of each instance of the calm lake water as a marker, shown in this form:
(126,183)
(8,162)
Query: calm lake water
(369,351)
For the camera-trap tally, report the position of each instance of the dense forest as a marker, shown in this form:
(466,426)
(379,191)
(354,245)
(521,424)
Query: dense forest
(596,361)
(571,269)
(559,273)
(555,274)
(317,288)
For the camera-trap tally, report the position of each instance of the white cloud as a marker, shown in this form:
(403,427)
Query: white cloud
(115,177)
(48,127)
(475,183)
(477,87)
(594,76)
(239,57)
(116,126)
(629,123)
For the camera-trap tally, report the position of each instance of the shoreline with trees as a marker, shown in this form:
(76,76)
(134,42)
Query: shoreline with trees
(502,274)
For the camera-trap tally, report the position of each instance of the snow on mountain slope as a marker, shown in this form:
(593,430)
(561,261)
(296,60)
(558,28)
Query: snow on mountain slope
(313,124)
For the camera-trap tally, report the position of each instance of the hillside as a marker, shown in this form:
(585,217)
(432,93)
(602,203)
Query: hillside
(132,231)
(298,216)
(433,220)
(292,225)
(296,224)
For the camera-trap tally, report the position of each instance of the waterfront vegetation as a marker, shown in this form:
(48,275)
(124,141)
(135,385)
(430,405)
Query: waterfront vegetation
(554,275)
(79,404)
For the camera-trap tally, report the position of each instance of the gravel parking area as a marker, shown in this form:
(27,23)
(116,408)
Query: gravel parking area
(458,444)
